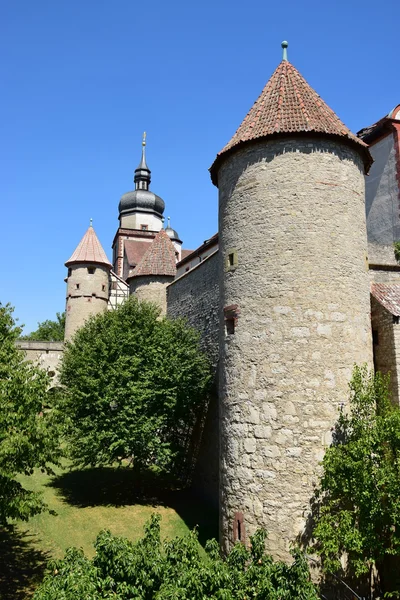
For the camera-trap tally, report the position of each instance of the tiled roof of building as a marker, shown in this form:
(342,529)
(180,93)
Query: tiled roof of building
(89,250)
(135,249)
(185,253)
(289,105)
(159,259)
(387,294)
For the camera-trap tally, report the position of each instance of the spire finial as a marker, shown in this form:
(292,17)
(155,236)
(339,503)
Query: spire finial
(169,223)
(91,222)
(284,47)
(144,138)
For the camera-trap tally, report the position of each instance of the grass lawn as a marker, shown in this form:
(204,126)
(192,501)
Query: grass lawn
(82,503)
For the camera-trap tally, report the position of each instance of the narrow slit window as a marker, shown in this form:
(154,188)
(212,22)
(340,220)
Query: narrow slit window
(239,534)
(77,286)
(230,326)
(231,259)
(103,287)
(91,270)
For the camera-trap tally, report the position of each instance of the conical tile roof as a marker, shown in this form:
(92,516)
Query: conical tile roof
(289,105)
(159,259)
(89,250)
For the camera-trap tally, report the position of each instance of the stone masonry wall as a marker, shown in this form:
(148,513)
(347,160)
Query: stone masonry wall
(386,345)
(151,288)
(195,296)
(47,355)
(87,294)
(295,296)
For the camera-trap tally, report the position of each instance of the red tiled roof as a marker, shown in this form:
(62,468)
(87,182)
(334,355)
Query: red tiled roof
(159,259)
(89,250)
(185,253)
(288,104)
(387,294)
(135,249)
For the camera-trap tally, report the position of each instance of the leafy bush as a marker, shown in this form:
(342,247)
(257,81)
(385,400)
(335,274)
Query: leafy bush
(175,570)
(26,440)
(136,385)
(359,513)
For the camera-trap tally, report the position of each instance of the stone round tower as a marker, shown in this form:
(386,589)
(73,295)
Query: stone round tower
(294,302)
(87,282)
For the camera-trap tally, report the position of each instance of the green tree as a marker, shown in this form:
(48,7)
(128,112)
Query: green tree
(26,440)
(136,385)
(49,331)
(175,570)
(359,514)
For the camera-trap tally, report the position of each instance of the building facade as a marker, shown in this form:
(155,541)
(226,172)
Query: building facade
(300,283)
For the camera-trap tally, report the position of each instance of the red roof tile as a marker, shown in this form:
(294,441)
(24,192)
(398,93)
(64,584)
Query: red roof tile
(387,294)
(89,250)
(159,259)
(185,253)
(288,104)
(135,249)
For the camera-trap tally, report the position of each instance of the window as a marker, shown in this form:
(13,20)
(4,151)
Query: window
(230,326)
(375,337)
(69,272)
(77,286)
(103,287)
(239,534)
(231,260)
(231,315)
(144,227)
(91,270)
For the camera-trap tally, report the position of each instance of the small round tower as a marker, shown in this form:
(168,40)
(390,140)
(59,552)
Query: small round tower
(157,268)
(294,302)
(87,282)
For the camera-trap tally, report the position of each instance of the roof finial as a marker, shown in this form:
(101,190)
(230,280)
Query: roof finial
(91,223)
(284,47)
(144,139)
(169,223)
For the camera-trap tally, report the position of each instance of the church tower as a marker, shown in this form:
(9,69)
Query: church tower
(140,216)
(87,282)
(294,302)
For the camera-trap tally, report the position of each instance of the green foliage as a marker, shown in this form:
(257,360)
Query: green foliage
(175,570)
(360,487)
(136,385)
(26,441)
(49,331)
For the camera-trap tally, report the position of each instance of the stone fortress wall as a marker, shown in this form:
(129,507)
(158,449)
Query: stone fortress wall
(45,354)
(194,296)
(295,318)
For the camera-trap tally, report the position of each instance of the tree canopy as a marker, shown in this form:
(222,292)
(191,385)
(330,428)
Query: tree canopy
(359,513)
(148,569)
(26,441)
(49,331)
(136,385)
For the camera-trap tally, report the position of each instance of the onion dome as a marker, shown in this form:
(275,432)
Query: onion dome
(172,233)
(141,198)
(288,106)
(89,250)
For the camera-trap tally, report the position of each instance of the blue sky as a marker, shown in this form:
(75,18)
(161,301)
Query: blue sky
(82,79)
